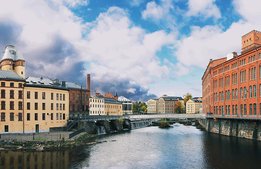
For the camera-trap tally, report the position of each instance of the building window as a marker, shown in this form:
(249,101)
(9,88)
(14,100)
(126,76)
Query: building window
(63,97)
(51,96)
(2,84)
(252,73)
(28,116)
(35,116)
(11,105)
(20,105)
(57,96)
(63,106)
(57,116)
(63,116)
(245,109)
(51,106)
(28,94)
(2,94)
(11,116)
(2,116)
(241,109)
(2,105)
(57,106)
(6,128)
(20,116)
(254,108)
(245,92)
(11,84)
(51,116)
(28,106)
(43,105)
(20,94)
(43,95)
(250,109)
(36,95)
(36,106)
(11,94)
(20,85)
(43,116)
(254,91)
(236,109)
(250,91)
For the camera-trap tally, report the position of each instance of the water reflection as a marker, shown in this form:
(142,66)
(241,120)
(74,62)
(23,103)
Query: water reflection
(34,160)
(181,147)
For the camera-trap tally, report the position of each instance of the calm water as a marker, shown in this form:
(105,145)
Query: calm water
(181,147)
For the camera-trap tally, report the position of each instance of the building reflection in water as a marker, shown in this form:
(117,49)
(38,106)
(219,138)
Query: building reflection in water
(34,160)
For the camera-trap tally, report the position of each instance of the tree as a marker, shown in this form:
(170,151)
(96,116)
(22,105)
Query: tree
(139,107)
(179,108)
(187,97)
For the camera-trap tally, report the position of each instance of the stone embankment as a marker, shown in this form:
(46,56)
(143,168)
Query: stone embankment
(249,129)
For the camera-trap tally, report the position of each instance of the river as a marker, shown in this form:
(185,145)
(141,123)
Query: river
(181,147)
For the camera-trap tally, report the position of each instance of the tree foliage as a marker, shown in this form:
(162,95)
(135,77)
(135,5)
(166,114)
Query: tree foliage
(179,108)
(187,97)
(139,107)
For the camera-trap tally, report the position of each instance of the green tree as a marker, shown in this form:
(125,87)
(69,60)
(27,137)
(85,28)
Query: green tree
(179,108)
(187,97)
(139,107)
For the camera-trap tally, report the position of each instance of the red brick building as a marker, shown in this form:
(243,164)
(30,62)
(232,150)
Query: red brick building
(79,96)
(232,87)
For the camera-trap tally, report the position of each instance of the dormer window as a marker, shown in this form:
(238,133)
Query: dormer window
(12,52)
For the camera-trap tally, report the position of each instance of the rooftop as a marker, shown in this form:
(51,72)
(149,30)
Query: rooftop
(8,74)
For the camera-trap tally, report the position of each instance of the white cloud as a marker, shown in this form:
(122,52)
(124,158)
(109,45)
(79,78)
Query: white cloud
(205,8)
(210,42)
(156,11)
(119,50)
(249,10)
(136,2)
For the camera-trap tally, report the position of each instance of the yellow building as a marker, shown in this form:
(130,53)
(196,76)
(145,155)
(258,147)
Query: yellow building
(152,106)
(193,106)
(113,107)
(29,104)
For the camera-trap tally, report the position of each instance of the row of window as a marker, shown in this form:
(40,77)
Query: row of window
(28,106)
(11,105)
(236,110)
(96,112)
(11,94)
(251,92)
(11,84)
(97,100)
(58,106)
(242,77)
(59,116)
(58,96)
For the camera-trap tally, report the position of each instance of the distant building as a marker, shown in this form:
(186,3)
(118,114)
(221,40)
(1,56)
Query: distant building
(152,106)
(193,106)
(29,105)
(97,106)
(127,105)
(112,107)
(79,97)
(166,104)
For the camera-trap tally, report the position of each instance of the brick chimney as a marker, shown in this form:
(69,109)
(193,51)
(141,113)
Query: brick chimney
(88,85)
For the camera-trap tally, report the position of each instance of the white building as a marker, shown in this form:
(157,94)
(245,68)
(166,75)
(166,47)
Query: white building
(152,106)
(127,105)
(193,106)
(96,106)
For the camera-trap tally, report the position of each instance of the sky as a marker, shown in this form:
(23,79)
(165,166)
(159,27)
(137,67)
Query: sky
(140,49)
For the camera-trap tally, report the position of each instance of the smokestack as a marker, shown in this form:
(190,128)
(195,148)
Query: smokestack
(88,82)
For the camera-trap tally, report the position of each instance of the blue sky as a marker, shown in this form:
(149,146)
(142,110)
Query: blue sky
(137,48)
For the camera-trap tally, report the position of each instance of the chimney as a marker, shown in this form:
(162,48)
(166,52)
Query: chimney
(234,54)
(88,85)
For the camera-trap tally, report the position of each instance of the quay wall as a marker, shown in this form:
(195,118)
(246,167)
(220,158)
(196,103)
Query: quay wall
(249,129)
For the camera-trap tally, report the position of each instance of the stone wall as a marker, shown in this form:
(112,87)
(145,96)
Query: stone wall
(249,129)
(50,136)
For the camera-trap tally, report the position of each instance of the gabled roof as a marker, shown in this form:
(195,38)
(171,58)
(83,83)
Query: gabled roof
(9,75)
